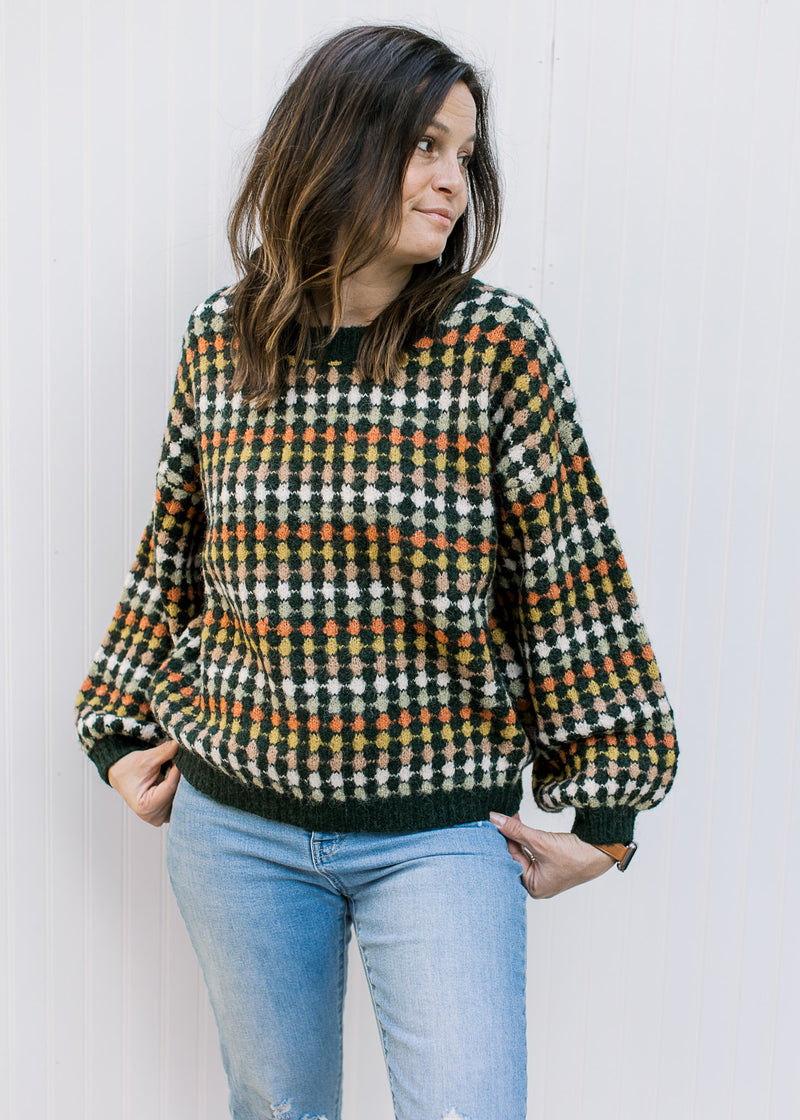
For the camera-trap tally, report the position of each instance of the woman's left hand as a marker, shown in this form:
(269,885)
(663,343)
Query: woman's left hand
(551,862)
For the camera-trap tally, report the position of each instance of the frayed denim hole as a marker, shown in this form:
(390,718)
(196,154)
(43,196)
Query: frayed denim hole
(282,1111)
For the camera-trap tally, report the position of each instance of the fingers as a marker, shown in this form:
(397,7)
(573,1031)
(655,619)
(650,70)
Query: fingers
(156,804)
(138,779)
(514,830)
(552,862)
(521,855)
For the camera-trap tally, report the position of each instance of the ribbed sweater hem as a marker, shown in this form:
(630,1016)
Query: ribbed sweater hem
(393,813)
(605,826)
(111,749)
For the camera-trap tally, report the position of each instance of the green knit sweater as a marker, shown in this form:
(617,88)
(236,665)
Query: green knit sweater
(371,607)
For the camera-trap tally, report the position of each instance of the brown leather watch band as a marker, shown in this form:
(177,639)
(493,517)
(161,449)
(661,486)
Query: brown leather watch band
(622,853)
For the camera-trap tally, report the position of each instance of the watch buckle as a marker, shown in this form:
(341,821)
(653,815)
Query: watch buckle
(629,854)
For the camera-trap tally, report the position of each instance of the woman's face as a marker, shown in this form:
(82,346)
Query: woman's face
(435,184)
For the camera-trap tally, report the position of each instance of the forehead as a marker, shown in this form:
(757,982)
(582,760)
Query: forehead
(457,113)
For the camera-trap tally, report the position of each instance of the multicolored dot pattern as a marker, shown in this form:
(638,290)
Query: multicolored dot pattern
(371,606)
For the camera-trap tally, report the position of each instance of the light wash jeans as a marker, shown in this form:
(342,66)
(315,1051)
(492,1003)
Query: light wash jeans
(439,918)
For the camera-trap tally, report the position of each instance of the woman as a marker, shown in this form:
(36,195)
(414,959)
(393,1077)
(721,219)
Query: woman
(378,581)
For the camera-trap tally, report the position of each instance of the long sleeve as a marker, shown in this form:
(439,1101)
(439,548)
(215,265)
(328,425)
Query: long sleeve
(592,699)
(163,592)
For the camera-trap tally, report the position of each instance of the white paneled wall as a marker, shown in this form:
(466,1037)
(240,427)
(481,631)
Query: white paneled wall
(651,156)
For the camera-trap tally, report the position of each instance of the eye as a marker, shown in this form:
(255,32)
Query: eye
(426,144)
(465,158)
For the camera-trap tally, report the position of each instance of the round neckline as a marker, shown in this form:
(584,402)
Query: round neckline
(344,345)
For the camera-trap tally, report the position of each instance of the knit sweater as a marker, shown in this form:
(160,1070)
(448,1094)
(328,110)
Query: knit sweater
(371,607)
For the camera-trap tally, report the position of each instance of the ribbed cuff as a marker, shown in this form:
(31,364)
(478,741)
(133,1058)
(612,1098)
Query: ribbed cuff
(604,826)
(111,749)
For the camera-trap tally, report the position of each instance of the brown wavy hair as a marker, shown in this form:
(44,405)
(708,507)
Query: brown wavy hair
(328,171)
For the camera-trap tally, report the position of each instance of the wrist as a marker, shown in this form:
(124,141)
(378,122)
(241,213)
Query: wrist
(621,854)
(107,752)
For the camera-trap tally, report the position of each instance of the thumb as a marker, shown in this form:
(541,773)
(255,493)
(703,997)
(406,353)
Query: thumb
(166,750)
(170,783)
(162,793)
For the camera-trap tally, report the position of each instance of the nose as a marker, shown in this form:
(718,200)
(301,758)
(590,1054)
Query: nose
(449,177)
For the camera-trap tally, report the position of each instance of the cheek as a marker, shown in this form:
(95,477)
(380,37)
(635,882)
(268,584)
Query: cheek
(414,183)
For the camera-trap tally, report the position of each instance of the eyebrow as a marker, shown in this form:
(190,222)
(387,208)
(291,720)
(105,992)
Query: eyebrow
(442,127)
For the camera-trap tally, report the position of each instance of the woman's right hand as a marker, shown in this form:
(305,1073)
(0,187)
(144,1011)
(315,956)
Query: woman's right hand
(137,778)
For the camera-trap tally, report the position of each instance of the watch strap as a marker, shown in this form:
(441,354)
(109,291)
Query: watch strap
(622,853)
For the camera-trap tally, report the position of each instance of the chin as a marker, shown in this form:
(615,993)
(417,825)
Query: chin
(426,254)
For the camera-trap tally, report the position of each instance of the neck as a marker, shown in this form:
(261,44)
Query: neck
(367,292)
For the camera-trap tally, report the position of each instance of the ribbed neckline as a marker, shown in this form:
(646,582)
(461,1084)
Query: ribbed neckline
(343,347)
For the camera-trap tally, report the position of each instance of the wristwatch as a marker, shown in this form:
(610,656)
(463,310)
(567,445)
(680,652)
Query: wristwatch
(622,853)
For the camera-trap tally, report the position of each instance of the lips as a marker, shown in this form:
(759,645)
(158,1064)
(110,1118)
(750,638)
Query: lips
(443,217)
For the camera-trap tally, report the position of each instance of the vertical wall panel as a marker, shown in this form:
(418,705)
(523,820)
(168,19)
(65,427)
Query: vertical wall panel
(8,1028)
(652,161)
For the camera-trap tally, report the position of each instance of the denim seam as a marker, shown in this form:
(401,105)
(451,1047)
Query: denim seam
(316,862)
(342,982)
(376,1008)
